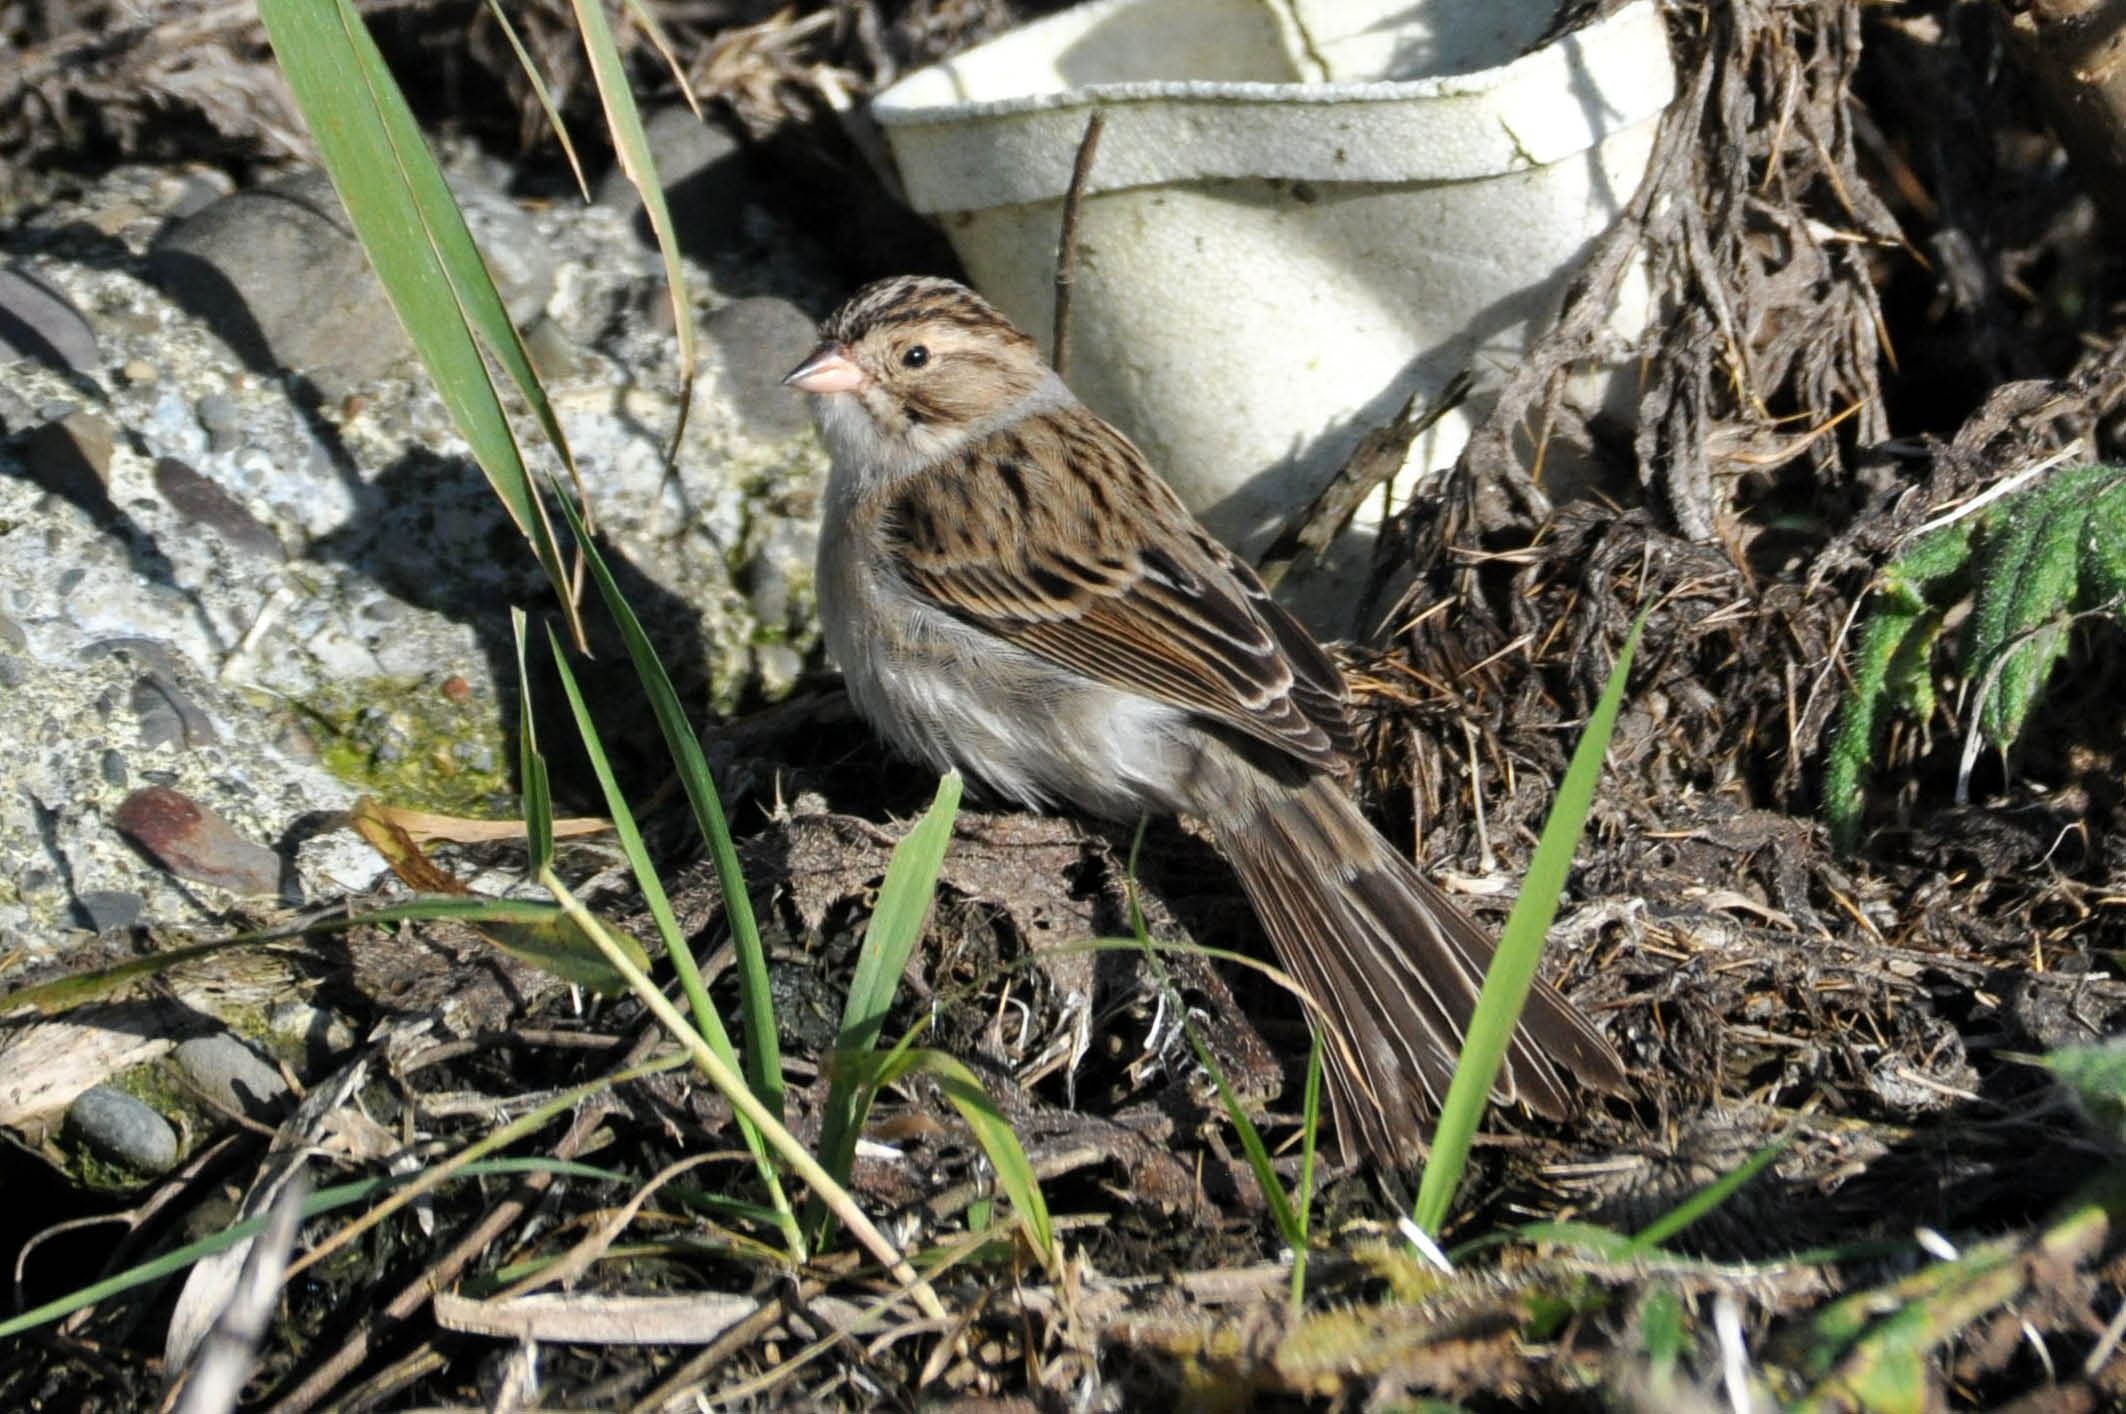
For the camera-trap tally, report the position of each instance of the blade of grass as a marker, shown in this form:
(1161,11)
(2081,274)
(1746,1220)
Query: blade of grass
(632,146)
(706,1020)
(536,793)
(523,1126)
(1513,970)
(1650,1237)
(416,239)
(763,1053)
(642,15)
(993,1132)
(546,101)
(1310,1121)
(743,1098)
(896,926)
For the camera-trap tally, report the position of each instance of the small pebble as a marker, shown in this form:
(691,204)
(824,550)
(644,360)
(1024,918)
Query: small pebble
(204,503)
(168,717)
(223,422)
(195,843)
(110,910)
(72,456)
(232,1075)
(122,1129)
(38,321)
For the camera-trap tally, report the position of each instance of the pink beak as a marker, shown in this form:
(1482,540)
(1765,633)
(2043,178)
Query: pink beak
(827,369)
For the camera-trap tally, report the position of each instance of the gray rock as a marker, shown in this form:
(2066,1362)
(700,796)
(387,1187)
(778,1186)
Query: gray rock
(167,716)
(232,1075)
(122,1129)
(203,503)
(702,167)
(39,322)
(759,339)
(276,271)
(396,557)
(224,423)
(110,910)
(72,456)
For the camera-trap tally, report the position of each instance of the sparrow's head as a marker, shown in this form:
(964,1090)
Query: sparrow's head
(919,364)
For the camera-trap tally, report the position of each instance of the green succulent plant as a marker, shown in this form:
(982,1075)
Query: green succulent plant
(2030,564)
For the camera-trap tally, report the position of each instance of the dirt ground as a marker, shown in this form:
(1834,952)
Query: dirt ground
(1883,288)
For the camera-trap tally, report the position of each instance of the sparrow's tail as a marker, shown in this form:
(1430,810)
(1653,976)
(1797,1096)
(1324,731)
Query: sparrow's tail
(1396,965)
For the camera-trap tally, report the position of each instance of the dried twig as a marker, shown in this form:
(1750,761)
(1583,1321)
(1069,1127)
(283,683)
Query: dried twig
(1067,242)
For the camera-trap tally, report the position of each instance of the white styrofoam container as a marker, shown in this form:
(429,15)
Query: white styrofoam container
(1301,212)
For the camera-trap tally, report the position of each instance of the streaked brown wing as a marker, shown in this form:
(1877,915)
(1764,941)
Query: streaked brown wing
(1086,558)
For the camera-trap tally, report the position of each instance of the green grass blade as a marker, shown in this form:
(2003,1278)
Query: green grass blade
(993,1132)
(895,928)
(896,925)
(763,1054)
(1707,1198)
(706,1020)
(1291,1224)
(536,933)
(659,904)
(537,791)
(539,90)
(416,239)
(646,19)
(1513,970)
(747,1101)
(1310,1120)
(632,146)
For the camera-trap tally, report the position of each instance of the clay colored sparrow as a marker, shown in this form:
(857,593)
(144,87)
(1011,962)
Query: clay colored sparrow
(1009,589)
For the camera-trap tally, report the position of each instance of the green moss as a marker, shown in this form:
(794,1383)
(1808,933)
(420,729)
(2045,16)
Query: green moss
(432,743)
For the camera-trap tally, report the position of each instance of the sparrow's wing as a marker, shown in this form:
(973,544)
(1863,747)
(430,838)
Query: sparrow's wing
(1080,554)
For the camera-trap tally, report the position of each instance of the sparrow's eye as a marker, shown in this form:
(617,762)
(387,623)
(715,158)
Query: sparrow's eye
(914,356)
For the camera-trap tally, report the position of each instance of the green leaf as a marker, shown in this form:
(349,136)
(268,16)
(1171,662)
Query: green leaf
(632,146)
(707,1022)
(535,933)
(890,937)
(416,239)
(896,925)
(531,764)
(993,1132)
(2026,587)
(763,1055)
(1513,970)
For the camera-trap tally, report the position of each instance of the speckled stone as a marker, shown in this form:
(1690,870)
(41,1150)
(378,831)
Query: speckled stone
(232,1075)
(122,1129)
(196,843)
(38,321)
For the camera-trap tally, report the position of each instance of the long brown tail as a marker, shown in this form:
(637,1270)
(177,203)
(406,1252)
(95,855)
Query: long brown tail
(1397,965)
